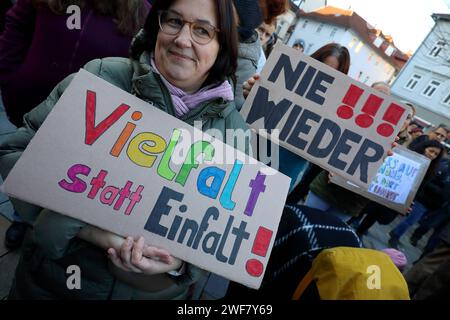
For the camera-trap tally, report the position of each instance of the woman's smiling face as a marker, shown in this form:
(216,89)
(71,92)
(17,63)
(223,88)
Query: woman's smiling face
(181,60)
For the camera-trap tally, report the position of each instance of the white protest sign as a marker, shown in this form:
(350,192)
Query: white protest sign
(323,115)
(112,160)
(396,183)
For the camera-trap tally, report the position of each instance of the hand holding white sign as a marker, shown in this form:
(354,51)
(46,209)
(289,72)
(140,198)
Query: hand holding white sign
(132,169)
(323,115)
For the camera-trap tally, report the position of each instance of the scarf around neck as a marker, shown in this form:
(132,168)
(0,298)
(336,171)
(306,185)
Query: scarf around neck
(185,102)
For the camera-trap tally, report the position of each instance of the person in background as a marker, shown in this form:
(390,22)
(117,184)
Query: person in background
(333,55)
(382,87)
(405,137)
(416,132)
(429,278)
(436,200)
(302,234)
(38,50)
(299,44)
(433,150)
(337,200)
(29,69)
(266,32)
(183,62)
(4,7)
(271,43)
(251,14)
(292,165)
(375,211)
(413,125)
(300,192)
(439,134)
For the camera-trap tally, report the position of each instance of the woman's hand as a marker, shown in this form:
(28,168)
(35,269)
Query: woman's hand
(248,85)
(330,175)
(393,145)
(136,256)
(408,211)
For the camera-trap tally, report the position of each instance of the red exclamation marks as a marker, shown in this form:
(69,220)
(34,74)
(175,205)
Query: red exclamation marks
(255,267)
(392,115)
(351,98)
(370,108)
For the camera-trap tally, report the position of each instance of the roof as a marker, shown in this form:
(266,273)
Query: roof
(442,16)
(368,33)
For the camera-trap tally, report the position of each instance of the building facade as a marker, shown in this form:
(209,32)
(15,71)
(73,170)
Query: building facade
(425,79)
(374,56)
(285,21)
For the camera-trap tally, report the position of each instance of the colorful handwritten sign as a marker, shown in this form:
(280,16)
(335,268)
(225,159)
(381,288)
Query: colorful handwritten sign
(323,115)
(108,158)
(396,183)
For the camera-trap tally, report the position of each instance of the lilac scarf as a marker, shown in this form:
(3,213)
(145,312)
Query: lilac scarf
(184,102)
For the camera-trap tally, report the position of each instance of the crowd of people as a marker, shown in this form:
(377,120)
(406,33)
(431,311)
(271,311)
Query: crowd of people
(197,60)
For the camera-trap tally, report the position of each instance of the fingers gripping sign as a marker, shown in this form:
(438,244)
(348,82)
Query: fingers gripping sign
(136,256)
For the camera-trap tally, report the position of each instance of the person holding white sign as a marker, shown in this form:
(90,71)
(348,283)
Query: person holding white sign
(331,54)
(181,63)
(433,150)
(334,199)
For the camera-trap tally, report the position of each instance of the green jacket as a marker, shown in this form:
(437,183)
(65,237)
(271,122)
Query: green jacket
(52,245)
(338,197)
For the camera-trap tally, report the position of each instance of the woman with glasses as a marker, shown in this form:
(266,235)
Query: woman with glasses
(182,62)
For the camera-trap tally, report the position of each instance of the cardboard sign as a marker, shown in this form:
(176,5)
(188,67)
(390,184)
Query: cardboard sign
(323,115)
(396,183)
(105,157)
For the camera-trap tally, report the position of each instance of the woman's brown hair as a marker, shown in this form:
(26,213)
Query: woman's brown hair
(128,14)
(334,50)
(271,9)
(226,61)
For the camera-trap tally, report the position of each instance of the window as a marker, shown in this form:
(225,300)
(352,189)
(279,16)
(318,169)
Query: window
(446,100)
(378,42)
(305,24)
(333,32)
(412,82)
(389,50)
(319,28)
(359,46)
(309,48)
(352,43)
(431,88)
(437,48)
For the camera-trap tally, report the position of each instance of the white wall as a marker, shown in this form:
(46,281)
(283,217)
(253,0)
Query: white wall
(361,68)
(428,68)
(283,23)
(367,65)
(285,20)
(311,5)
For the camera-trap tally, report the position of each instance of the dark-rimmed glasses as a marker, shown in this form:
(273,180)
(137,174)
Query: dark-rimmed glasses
(171,23)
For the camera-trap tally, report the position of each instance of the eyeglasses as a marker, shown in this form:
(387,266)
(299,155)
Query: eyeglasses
(201,32)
